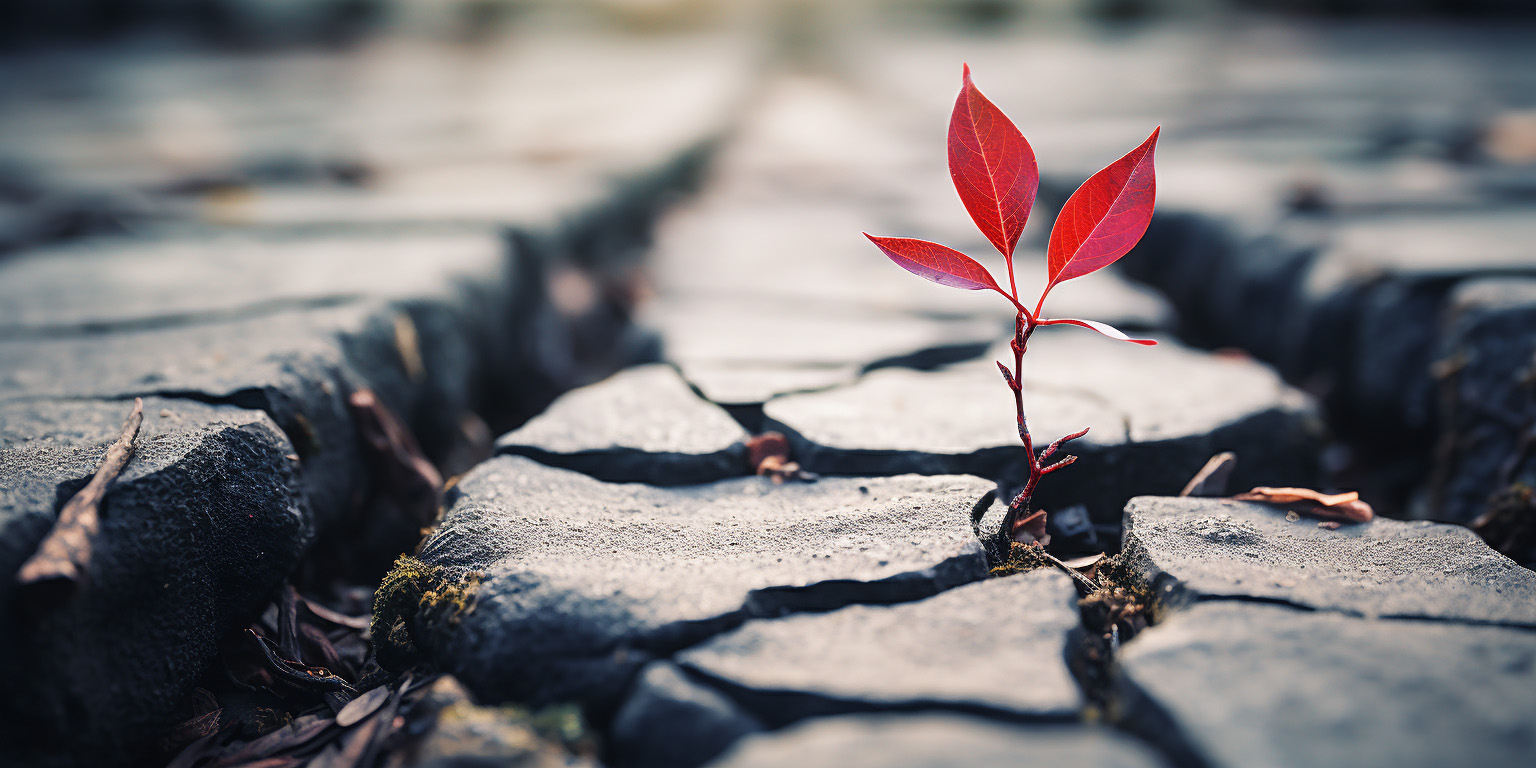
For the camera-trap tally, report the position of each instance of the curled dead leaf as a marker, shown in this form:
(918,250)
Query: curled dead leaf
(1338,506)
(768,455)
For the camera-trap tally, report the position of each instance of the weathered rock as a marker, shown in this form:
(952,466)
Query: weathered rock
(935,741)
(1201,549)
(583,581)
(669,721)
(1157,414)
(997,647)
(1259,685)
(643,425)
(201,527)
(1485,356)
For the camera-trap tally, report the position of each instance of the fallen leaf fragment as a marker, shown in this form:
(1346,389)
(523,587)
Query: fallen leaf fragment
(1212,479)
(1339,506)
(768,455)
(362,706)
(58,566)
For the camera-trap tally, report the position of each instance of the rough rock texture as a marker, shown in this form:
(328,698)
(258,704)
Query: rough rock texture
(1157,414)
(202,525)
(670,721)
(584,581)
(1487,357)
(1259,685)
(997,647)
(935,741)
(642,425)
(1202,549)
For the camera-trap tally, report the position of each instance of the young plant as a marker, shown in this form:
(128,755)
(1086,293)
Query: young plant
(994,171)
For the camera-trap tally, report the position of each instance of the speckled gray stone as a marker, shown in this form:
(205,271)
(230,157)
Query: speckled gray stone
(670,721)
(642,425)
(1156,414)
(935,741)
(205,521)
(1198,549)
(585,580)
(1271,686)
(998,646)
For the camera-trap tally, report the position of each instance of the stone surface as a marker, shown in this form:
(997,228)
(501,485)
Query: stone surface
(204,523)
(584,581)
(1485,352)
(642,425)
(669,721)
(1260,685)
(997,647)
(1202,549)
(1156,414)
(935,741)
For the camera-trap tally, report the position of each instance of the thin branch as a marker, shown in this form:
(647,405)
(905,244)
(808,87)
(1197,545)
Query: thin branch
(64,554)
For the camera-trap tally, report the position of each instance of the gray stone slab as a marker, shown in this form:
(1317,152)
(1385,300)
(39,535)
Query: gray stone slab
(997,647)
(1200,549)
(670,721)
(1156,415)
(1485,352)
(642,425)
(935,741)
(708,337)
(583,581)
(206,520)
(1258,685)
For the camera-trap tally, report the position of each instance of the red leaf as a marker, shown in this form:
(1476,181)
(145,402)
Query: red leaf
(993,167)
(941,264)
(1105,216)
(1104,328)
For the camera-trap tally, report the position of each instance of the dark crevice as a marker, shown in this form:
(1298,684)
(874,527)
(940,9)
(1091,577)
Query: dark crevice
(250,311)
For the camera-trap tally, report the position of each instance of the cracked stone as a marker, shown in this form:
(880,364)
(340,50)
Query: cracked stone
(669,721)
(1157,414)
(935,741)
(205,521)
(997,647)
(1202,549)
(1259,685)
(642,425)
(584,581)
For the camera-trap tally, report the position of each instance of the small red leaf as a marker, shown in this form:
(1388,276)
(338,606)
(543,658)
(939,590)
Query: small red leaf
(1104,328)
(993,167)
(941,264)
(1105,216)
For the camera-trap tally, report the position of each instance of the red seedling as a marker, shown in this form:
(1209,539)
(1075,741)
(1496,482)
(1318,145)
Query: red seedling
(994,171)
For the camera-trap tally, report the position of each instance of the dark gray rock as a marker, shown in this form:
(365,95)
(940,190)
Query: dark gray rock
(1157,414)
(643,425)
(669,721)
(1258,685)
(935,741)
(997,647)
(1201,549)
(1485,354)
(584,581)
(201,527)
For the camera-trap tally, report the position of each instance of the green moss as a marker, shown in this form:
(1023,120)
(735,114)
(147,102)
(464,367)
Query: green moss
(1021,558)
(414,595)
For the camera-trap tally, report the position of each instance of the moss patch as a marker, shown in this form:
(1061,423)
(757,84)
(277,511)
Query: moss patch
(413,595)
(1021,558)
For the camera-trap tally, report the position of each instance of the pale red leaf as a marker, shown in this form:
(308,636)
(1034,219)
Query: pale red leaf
(1104,328)
(931,261)
(1105,217)
(993,167)
(1342,506)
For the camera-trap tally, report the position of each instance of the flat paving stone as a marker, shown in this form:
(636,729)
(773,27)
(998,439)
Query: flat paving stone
(935,741)
(584,581)
(1202,549)
(997,647)
(1156,414)
(204,523)
(671,721)
(1260,685)
(642,425)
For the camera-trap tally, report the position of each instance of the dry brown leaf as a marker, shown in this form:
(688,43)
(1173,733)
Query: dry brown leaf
(1339,506)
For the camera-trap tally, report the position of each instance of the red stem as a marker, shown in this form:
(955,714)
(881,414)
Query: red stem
(1024,325)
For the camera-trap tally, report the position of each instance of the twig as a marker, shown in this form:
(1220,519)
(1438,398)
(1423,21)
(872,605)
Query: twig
(1212,478)
(1081,579)
(61,560)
